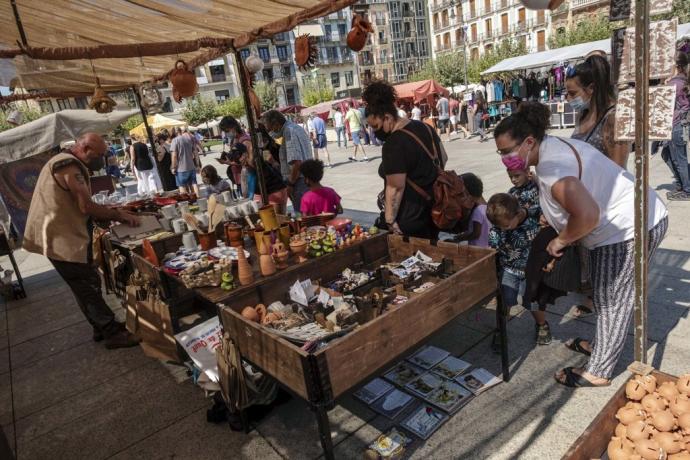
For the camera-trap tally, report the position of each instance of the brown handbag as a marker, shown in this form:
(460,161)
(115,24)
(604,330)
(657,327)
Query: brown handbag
(449,189)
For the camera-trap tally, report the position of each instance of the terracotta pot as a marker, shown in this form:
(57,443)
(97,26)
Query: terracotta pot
(266,244)
(207,241)
(183,81)
(233,234)
(250,314)
(299,248)
(259,238)
(357,37)
(284,234)
(244,269)
(269,218)
(268,267)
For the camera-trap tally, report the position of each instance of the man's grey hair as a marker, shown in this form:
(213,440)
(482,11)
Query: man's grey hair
(273,117)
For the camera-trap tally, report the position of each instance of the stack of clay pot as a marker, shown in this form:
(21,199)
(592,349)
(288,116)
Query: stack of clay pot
(655,423)
(260,314)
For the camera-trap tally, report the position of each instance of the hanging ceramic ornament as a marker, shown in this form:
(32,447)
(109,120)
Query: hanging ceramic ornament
(254,64)
(357,37)
(306,52)
(151,98)
(541,4)
(100,101)
(183,81)
(15,118)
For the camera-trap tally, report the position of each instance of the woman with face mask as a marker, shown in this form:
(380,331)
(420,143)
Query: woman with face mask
(591,94)
(247,174)
(588,199)
(406,167)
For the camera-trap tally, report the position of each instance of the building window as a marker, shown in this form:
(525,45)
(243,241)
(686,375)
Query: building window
(396,28)
(245,53)
(327,30)
(349,78)
(46,106)
(282,52)
(287,72)
(63,104)
(385,74)
(398,51)
(222,95)
(290,94)
(217,73)
(264,54)
(422,49)
(420,8)
(474,54)
(268,75)
(80,102)
(342,30)
(420,28)
(335,79)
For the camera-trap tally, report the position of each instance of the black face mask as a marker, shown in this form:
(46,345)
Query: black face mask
(382,135)
(96,164)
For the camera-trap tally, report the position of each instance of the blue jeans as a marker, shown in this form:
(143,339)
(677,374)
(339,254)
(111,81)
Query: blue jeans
(511,286)
(251,184)
(340,131)
(679,157)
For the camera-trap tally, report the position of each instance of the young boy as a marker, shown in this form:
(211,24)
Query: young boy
(526,191)
(318,199)
(477,233)
(512,235)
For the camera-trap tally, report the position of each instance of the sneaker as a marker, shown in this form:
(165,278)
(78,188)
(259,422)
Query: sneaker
(680,196)
(352,158)
(543,334)
(364,159)
(121,339)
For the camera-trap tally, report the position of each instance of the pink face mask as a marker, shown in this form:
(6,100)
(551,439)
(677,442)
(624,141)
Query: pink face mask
(514,162)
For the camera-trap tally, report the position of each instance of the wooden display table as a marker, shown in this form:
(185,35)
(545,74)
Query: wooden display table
(345,362)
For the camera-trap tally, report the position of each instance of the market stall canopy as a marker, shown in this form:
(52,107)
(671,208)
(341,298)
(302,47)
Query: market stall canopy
(157,123)
(291,109)
(208,125)
(324,109)
(419,90)
(50,130)
(559,55)
(65,45)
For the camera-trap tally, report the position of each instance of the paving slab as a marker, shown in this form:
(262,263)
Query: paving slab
(6,399)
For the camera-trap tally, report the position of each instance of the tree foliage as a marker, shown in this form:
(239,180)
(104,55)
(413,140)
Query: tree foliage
(267,94)
(315,91)
(28,114)
(591,30)
(130,123)
(233,107)
(504,50)
(681,10)
(199,110)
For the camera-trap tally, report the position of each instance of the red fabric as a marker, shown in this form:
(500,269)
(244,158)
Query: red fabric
(419,90)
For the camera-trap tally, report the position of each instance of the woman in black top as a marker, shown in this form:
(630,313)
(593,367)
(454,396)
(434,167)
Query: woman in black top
(142,164)
(165,163)
(406,210)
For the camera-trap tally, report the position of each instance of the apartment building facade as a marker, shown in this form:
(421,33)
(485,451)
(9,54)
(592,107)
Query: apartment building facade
(572,12)
(401,42)
(480,25)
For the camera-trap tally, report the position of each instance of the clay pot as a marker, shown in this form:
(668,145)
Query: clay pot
(634,390)
(684,423)
(284,234)
(618,449)
(647,381)
(299,248)
(244,270)
(679,456)
(679,405)
(261,311)
(629,413)
(637,430)
(670,442)
(357,37)
(621,431)
(259,238)
(280,255)
(653,403)
(663,420)
(667,390)
(268,266)
(268,217)
(207,241)
(683,384)
(250,314)
(233,234)
(183,81)
(649,449)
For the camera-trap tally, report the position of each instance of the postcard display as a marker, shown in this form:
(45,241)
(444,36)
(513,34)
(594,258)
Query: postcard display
(422,392)
(390,318)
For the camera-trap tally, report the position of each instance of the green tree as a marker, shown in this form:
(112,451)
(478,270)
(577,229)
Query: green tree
(267,94)
(199,110)
(233,107)
(28,114)
(447,69)
(591,30)
(130,123)
(315,91)
(504,50)
(681,10)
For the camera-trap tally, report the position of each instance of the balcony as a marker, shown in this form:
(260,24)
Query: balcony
(380,22)
(504,31)
(563,9)
(443,48)
(439,5)
(281,37)
(581,4)
(502,4)
(217,78)
(408,14)
(383,41)
(540,21)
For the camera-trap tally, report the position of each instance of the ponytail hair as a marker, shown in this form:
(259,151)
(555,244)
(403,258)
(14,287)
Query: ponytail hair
(596,71)
(531,119)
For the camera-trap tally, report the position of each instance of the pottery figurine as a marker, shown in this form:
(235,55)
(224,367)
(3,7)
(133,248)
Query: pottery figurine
(670,442)
(648,382)
(250,314)
(634,390)
(649,449)
(233,234)
(628,414)
(667,390)
(684,423)
(653,402)
(207,241)
(663,420)
(679,456)
(299,248)
(280,255)
(618,449)
(621,431)
(679,405)
(683,384)
(638,429)
(244,270)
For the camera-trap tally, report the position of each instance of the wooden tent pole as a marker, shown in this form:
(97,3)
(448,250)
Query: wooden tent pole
(252,124)
(641,175)
(18,21)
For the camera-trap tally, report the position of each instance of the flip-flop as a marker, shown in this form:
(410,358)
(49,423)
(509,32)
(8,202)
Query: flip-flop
(582,311)
(574,380)
(575,346)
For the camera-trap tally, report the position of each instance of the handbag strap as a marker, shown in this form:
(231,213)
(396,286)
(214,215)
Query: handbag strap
(577,156)
(601,120)
(434,158)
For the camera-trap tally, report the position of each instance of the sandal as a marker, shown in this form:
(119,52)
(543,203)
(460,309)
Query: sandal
(581,311)
(574,380)
(574,345)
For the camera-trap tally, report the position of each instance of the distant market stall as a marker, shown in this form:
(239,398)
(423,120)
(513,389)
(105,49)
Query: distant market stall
(157,123)
(419,91)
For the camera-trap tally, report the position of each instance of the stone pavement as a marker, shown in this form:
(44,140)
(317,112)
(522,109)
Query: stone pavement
(63,396)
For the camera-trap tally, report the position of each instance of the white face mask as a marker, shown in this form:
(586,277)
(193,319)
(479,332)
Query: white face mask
(578,104)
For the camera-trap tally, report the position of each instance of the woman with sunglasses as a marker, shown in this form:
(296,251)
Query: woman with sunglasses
(588,199)
(591,93)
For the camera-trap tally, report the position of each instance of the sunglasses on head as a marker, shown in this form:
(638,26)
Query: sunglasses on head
(570,71)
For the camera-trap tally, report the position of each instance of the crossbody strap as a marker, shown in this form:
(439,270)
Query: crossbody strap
(434,159)
(601,120)
(577,156)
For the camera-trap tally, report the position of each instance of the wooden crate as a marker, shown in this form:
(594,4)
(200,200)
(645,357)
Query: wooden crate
(594,441)
(347,361)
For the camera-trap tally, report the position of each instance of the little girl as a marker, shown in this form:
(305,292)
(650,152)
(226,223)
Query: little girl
(477,233)
(318,199)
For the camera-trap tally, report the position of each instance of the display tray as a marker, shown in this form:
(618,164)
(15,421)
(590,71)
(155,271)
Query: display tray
(346,361)
(594,441)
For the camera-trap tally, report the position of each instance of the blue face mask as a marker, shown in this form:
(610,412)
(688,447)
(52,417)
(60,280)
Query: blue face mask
(578,104)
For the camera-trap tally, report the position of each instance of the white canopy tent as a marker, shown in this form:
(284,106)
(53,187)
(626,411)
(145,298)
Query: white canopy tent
(50,130)
(555,56)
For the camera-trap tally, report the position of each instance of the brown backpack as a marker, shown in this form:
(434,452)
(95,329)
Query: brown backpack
(449,189)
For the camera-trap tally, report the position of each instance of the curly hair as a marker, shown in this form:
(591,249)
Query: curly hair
(531,119)
(312,170)
(380,97)
(473,184)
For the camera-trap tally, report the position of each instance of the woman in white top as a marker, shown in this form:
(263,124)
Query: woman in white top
(585,197)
